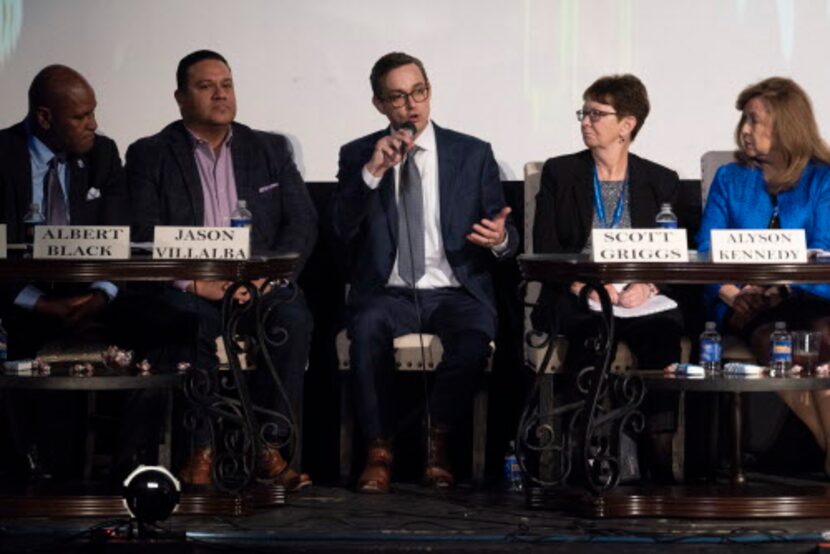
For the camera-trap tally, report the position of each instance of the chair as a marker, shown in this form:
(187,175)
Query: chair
(408,358)
(709,164)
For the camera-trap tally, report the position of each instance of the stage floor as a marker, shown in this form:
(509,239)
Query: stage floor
(414,519)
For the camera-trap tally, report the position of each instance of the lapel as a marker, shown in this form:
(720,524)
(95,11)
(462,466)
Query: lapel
(583,193)
(386,188)
(240,153)
(448,158)
(182,150)
(77,186)
(638,197)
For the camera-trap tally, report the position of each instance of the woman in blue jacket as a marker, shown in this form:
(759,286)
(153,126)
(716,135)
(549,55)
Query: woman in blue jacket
(781,180)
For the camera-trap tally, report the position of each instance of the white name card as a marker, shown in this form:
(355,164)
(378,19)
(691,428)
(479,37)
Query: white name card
(202,243)
(94,242)
(3,254)
(639,245)
(759,246)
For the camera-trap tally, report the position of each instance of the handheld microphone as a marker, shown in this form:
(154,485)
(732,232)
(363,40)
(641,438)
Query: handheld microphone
(407,126)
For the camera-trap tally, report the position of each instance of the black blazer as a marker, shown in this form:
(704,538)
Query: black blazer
(565,213)
(165,189)
(367,219)
(99,169)
(96,192)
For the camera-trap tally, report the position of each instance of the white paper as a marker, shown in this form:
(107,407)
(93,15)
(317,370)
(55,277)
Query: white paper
(653,305)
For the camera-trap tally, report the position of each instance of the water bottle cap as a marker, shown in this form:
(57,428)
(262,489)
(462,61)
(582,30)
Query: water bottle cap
(665,206)
(711,325)
(242,203)
(780,325)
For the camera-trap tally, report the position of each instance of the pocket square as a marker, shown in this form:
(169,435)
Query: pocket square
(266,188)
(93,193)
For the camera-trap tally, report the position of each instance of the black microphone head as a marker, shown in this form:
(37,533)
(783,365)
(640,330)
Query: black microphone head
(409,126)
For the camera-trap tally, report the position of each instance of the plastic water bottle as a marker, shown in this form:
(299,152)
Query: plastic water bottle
(241,216)
(32,219)
(512,470)
(781,348)
(710,348)
(665,217)
(4,343)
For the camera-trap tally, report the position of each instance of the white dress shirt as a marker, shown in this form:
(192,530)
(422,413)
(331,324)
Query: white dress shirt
(438,271)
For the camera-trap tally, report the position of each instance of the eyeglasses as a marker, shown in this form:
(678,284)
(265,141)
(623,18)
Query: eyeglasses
(593,115)
(398,99)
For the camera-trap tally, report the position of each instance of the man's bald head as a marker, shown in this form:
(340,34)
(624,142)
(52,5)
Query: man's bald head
(62,110)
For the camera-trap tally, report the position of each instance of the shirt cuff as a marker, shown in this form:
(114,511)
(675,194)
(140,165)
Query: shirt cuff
(370,180)
(182,284)
(500,249)
(28,297)
(106,287)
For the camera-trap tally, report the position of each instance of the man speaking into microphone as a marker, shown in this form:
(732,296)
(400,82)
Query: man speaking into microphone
(422,211)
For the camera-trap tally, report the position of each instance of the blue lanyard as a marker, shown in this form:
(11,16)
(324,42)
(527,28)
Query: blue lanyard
(600,206)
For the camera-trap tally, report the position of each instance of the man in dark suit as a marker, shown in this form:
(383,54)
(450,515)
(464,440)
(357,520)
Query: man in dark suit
(422,210)
(56,160)
(193,173)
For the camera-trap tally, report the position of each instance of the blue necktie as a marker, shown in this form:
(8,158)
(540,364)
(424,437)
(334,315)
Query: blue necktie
(55,201)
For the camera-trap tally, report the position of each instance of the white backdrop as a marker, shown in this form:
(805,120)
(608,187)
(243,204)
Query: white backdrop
(509,71)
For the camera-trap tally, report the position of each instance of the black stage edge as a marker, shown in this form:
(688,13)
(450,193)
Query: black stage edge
(413,519)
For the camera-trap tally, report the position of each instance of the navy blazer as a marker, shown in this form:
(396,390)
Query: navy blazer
(99,169)
(165,189)
(469,190)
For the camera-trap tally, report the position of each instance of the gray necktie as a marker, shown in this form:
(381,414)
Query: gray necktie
(55,201)
(411,260)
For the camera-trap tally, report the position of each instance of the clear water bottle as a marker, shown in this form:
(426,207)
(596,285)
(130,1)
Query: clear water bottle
(4,343)
(512,470)
(665,217)
(33,218)
(710,348)
(241,216)
(781,348)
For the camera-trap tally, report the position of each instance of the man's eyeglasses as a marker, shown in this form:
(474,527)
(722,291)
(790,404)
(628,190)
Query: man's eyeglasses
(593,115)
(398,99)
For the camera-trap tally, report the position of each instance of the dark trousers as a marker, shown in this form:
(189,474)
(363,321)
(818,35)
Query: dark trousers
(465,327)
(52,421)
(288,325)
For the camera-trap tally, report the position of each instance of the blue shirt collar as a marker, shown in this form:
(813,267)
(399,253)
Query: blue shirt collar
(41,154)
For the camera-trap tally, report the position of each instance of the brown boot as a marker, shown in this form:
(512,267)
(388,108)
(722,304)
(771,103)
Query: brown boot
(377,474)
(437,473)
(199,468)
(273,466)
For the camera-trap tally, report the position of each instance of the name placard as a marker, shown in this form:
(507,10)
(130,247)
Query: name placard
(3,254)
(94,242)
(202,243)
(758,246)
(639,245)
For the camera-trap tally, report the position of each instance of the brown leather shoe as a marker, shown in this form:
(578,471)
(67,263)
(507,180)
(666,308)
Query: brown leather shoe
(437,473)
(273,466)
(377,474)
(199,468)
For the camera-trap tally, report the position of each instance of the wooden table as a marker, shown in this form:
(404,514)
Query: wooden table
(592,418)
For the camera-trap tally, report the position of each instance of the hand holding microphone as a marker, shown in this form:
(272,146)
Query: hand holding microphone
(391,149)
